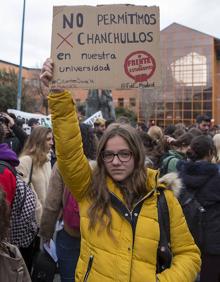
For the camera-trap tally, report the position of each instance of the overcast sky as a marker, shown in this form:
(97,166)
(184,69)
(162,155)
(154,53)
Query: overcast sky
(202,15)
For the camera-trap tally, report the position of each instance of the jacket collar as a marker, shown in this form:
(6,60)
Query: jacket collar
(151,184)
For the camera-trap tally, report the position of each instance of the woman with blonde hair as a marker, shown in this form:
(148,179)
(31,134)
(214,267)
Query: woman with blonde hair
(35,167)
(119,225)
(36,153)
(156,133)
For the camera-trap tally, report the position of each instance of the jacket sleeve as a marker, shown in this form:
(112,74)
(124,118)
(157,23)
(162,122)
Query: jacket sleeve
(53,204)
(72,163)
(186,255)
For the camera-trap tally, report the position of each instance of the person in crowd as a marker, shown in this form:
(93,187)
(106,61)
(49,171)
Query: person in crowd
(201,178)
(181,126)
(12,265)
(178,152)
(178,132)
(203,123)
(216,140)
(14,135)
(141,126)
(7,178)
(99,127)
(153,150)
(35,166)
(123,120)
(118,203)
(156,133)
(108,122)
(36,154)
(33,122)
(60,201)
(68,235)
(169,130)
(195,131)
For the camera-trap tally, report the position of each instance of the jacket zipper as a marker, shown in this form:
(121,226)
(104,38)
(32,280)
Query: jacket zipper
(88,268)
(142,199)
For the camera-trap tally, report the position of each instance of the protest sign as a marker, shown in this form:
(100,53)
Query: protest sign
(91,120)
(106,47)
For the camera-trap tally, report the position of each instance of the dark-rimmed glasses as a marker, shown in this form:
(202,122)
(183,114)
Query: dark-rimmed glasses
(123,156)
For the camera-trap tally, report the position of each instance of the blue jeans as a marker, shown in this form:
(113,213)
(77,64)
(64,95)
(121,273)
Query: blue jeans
(68,249)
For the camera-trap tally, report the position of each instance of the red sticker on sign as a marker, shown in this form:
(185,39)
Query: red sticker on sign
(140,66)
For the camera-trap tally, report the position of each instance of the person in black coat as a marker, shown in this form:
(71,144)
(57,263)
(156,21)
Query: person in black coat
(202,179)
(14,136)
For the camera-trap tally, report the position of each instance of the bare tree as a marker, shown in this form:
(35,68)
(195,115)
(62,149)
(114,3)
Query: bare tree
(148,99)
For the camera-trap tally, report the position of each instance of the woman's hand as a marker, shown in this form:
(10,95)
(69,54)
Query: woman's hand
(46,76)
(47,72)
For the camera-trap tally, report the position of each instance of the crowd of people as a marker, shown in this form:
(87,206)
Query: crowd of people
(97,194)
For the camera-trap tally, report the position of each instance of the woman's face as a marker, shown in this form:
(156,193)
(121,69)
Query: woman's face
(118,158)
(49,141)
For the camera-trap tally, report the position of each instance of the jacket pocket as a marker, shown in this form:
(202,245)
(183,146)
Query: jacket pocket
(89,267)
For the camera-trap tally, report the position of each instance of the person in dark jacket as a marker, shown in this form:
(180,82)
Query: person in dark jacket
(14,135)
(201,178)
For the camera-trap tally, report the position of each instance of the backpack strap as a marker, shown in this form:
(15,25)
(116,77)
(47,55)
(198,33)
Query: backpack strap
(163,217)
(31,172)
(10,167)
(164,255)
(165,164)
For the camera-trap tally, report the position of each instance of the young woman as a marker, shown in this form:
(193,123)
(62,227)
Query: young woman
(36,155)
(118,203)
(201,178)
(35,166)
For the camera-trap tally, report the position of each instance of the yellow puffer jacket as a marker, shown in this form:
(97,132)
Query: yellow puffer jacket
(128,257)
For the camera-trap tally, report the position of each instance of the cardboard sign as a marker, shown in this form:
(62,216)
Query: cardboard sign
(106,47)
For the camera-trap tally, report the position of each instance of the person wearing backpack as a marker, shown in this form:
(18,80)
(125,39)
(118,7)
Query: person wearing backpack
(35,161)
(201,181)
(12,265)
(21,199)
(178,152)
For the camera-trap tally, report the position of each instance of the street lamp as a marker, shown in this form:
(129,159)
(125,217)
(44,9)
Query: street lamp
(20,64)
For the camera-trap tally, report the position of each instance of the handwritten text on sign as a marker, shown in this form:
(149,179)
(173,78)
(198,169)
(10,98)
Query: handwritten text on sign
(106,47)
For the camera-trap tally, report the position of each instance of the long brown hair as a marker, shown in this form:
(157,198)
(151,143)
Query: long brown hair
(98,194)
(35,145)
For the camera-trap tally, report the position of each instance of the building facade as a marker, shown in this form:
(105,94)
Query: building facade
(190,76)
(190,80)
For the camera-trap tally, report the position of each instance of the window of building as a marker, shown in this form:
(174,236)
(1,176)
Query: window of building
(132,102)
(190,69)
(120,102)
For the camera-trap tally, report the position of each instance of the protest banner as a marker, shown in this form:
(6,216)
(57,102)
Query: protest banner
(91,120)
(106,47)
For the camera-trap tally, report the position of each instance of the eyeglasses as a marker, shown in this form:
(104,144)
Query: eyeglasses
(123,156)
